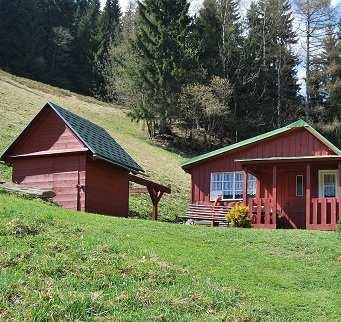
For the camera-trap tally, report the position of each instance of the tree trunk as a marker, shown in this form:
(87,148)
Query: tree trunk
(308,90)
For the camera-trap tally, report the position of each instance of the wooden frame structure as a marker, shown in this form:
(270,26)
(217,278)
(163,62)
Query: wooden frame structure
(155,190)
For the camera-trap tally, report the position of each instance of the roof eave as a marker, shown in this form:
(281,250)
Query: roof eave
(130,169)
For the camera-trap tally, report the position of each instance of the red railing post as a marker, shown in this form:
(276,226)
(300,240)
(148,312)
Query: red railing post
(274,194)
(245,187)
(308,196)
(339,193)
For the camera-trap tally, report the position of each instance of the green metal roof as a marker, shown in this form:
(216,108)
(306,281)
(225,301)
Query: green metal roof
(289,159)
(297,124)
(95,138)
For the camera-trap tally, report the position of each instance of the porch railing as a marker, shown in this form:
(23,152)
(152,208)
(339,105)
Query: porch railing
(261,213)
(324,213)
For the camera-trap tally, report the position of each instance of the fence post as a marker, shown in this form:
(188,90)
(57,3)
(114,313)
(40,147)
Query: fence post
(308,195)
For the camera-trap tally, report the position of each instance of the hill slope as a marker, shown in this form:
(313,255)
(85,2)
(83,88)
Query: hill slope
(61,265)
(21,99)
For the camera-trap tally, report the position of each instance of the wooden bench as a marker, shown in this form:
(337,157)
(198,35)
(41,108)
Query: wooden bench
(213,215)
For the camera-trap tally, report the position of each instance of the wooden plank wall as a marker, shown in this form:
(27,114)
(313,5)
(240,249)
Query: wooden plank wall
(297,143)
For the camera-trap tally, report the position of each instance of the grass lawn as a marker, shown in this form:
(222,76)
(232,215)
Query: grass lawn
(21,99)
(61,265)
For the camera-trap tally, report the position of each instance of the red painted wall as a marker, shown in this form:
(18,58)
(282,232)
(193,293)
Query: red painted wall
(299,142)
(107,189)
(62,174)
(48,133)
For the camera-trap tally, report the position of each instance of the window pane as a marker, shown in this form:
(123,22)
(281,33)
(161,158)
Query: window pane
(228,177)
(329,179)
(239,176)
(228,185)
(252,182)
(227,195)
(299,186)
(329,191)
(216,186)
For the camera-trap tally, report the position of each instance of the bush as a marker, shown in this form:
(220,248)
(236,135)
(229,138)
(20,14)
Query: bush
(238,216)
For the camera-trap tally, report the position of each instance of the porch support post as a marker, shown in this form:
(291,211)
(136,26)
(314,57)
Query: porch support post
(258,183)
(308,195)
(274,194)
(339,192)
(245,187)
(155,196)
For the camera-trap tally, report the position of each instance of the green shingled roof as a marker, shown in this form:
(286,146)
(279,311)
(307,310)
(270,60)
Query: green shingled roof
(98,140)
(297,124)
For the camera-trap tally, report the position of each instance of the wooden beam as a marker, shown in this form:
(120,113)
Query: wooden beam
(339,191)
(258,188)
(155,190)
(308,195)
(148,183)
(274,194)
(245,187)
(48,153)
(44,194)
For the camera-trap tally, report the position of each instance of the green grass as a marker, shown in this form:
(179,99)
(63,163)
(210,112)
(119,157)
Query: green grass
(61,265)
(21,99)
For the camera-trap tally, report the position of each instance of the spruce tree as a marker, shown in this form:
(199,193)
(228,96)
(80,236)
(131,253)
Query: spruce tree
(326,78)
(274,91)
(85,46)
(109,33)
(162,47)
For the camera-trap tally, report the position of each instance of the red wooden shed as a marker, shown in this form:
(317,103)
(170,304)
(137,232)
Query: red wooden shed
(289,177)
(78,160)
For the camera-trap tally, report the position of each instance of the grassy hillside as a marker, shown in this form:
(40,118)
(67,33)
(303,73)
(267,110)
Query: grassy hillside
(60,265)
(21,99)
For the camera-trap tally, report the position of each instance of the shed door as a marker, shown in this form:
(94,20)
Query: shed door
(65,185)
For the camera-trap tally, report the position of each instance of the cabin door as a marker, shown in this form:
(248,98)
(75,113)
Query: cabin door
(291,199)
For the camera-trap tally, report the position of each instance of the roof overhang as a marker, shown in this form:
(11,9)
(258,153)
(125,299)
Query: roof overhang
(149,184)
(317,158)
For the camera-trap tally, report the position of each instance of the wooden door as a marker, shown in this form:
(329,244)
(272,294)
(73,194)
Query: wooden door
(291,199)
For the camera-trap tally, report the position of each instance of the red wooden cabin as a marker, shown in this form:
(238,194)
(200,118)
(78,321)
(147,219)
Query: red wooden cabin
(78,160)
(289,177)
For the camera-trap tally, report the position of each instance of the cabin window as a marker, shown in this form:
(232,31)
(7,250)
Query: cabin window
(328,183)
(299,186)
(229,185)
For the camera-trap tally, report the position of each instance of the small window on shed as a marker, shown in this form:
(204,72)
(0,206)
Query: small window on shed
(299,186)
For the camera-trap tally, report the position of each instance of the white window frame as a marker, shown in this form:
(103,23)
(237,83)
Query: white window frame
(213,196)
(321,182)
(297,194)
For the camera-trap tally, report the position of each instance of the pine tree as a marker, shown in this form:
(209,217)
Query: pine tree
(326,78)
(208,36)
(313,19)
(85,46)
(109,34)
(162,47)
(109,27)
(274,93)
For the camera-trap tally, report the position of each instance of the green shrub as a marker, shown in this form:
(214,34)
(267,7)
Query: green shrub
(238,216)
